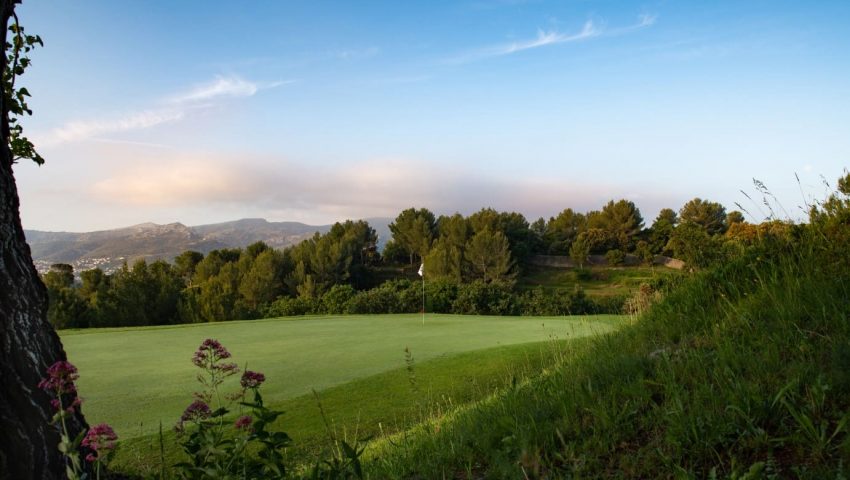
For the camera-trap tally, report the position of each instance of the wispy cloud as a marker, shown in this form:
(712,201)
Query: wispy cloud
(219,87)
(551,37)
(82,129)
(644,20)
(173,108)
(548,38)
(131,142)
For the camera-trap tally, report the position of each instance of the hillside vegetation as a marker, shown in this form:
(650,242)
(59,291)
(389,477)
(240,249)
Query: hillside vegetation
(743,371)
(596,282)
(472,265)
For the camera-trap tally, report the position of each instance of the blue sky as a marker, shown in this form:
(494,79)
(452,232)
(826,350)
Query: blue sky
(315,111)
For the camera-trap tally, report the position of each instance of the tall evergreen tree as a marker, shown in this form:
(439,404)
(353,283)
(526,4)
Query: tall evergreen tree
(488,255)
(662,229)
(710,216)
(414,230)
(562,231)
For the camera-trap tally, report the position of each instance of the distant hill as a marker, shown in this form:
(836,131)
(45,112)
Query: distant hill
(108,249)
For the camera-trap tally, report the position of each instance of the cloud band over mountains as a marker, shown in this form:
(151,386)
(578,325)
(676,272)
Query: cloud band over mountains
(324,193)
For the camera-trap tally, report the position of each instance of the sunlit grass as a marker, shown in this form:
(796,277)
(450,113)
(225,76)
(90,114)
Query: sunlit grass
(135,378)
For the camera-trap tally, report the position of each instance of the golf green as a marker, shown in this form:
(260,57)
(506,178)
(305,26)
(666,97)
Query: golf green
(133,378)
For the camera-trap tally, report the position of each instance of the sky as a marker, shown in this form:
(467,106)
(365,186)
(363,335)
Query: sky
(208,111)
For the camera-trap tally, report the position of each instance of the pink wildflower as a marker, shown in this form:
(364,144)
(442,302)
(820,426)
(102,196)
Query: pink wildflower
(60,378)
(244,423)
(197,410)
(101,439)
(200,358)
(252,379)
(210,351)
(60,381)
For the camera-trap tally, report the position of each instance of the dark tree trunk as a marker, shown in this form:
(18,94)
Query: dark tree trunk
(28,343)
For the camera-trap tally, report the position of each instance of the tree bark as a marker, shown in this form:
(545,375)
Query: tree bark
(28,343)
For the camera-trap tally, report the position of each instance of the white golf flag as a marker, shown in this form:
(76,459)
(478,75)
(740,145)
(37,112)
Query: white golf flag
(422,270)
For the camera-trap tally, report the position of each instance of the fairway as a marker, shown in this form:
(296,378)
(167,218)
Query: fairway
(134,378)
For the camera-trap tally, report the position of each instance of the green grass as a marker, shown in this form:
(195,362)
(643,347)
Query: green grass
(379,405)
(604,281)
(135,378)
(741,372)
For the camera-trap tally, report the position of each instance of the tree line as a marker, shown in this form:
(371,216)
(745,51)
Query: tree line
(496,246)
(471,263)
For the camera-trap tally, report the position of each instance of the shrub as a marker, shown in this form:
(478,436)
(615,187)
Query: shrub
(289,306)
(336,299)
(612,305)
(480,298)
(374,301)
(615,257)
(584,274)
(409,295)
(440,294)
(540,302)
(394,296)
(643,252)
(579,304)
(691,244)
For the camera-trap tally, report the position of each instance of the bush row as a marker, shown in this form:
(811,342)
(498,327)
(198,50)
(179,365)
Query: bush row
(444,296)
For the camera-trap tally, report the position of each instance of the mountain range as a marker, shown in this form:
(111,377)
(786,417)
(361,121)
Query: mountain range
(109,249)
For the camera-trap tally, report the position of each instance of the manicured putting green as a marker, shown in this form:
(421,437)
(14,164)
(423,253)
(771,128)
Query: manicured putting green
(133,378)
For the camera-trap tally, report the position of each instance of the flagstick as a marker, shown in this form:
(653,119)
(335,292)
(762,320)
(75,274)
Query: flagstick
(423,299)
(421,273)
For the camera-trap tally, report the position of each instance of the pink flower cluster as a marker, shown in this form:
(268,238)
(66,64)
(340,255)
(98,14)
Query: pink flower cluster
(60,381)
(60,378)
(101,439)
(210,353)
(197,410)
(252,379)
(244,423)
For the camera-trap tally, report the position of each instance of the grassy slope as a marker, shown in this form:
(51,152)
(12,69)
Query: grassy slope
(135,378)
(605,281)
(740,369)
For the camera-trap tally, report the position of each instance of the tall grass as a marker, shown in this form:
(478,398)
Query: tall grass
(743,371)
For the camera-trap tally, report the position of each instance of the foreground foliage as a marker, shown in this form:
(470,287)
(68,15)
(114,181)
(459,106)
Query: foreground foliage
(222,449)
